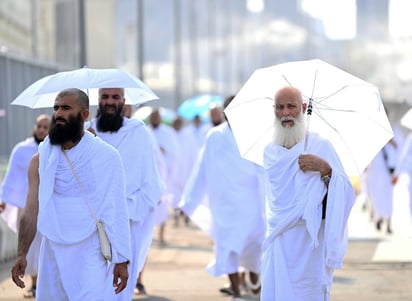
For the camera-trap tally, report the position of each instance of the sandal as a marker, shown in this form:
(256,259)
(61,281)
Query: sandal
(226,290)
(140,289)
(31,293)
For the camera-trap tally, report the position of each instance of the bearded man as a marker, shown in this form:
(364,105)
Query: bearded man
(309,198)
(143,183)
(74,177)
(14,189)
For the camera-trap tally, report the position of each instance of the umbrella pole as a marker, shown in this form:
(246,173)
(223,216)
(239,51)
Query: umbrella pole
(309,113)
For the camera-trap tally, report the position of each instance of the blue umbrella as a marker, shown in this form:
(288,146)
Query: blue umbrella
(199,105)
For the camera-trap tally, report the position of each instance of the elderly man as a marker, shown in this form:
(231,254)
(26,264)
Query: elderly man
(143,183)
(309,198)
(74,177)
(14,189)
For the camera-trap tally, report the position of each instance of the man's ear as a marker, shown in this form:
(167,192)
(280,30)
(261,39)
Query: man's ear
(85,114)
(304,107)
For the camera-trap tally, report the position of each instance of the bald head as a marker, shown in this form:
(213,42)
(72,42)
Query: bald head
(82,99)
(42,117)
(290,93)
(41,127)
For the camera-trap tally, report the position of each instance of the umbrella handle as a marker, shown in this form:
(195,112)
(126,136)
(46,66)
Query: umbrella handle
(310,107)
(309,113)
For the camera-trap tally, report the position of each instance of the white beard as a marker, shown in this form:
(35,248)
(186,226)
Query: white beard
(290,135)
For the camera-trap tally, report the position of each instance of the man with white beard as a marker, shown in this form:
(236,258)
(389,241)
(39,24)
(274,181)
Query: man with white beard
(306,238)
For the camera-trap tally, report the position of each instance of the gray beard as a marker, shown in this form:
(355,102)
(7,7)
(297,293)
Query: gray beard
(290,136)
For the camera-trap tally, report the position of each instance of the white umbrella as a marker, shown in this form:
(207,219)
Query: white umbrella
(406,119)
(42,93)
(143,113)
(345,109)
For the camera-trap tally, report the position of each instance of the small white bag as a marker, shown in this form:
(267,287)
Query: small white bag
(105,246)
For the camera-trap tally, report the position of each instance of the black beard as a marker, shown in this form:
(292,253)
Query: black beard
(109,122)
(37,139)
(60,134)
(216,123)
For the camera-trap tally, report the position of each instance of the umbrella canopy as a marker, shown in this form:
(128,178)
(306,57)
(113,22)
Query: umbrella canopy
(346,110)
(199,105)
(143,113)
(42,93)
(406,119)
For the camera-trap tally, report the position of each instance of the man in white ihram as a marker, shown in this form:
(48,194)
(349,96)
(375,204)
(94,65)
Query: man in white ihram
(309,198)
(225,197)
(143,183)
(13,191)
(74,177)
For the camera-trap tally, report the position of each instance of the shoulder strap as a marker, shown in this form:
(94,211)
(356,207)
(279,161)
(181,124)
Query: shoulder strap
(78,181)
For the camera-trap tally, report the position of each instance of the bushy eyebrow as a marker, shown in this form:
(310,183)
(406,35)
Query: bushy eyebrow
(114,96)
(64,107)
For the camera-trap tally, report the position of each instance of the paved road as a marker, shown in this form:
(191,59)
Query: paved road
(377,266)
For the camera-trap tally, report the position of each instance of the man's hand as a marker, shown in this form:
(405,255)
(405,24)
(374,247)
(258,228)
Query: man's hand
(394,180)
(309,162)
(91,130)
(120,276)
(17,272)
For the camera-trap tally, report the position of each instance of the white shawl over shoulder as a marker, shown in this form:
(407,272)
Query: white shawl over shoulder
(295,195)
(64,213)
(144,186)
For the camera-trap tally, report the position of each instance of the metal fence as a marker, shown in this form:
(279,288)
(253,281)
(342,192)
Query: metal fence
(16,122)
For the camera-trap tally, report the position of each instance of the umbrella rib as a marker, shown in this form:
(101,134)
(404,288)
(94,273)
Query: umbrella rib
(322,98)
(234,105)
(318,113)
(256,140)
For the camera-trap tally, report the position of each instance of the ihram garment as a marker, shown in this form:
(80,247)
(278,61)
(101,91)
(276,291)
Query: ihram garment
(71,266)
(186,158)
(379,181)
(16,184)
(166,138)
(143,191)
(404,165)
(225,197)
(301,250)
(13,191)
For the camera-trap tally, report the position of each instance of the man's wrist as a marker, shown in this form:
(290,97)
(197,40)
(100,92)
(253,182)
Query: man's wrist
(326,173)
(325,177)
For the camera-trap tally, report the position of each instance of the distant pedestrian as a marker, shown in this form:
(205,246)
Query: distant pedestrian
(225,197)
(380,184)
(167,141)
(13,191)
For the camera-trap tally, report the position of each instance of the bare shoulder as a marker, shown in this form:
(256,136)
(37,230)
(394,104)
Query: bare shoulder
(34,164)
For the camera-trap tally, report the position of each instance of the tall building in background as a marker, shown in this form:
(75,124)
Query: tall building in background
(15,24)
(27,28)
(372,19)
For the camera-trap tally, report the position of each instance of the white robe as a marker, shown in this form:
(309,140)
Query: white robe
(13,191)
(378,181)
(66,221)
(166,139)
(143,190)
(404,165)
(225,197)
(15,183)
(300,250)
(186,159)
